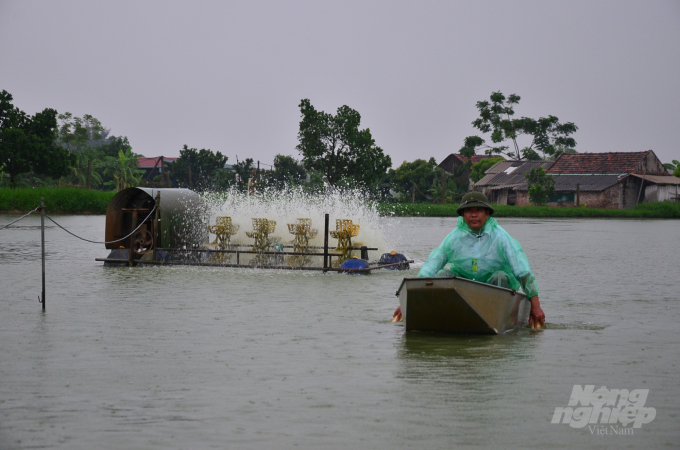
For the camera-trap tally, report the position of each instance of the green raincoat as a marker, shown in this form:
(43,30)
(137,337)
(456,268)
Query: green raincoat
(490,256)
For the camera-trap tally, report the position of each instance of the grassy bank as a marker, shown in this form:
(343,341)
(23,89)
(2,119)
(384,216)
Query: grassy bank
(57,200)
(663,210)
(81,201)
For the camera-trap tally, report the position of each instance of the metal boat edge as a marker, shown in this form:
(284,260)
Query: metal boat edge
(457,305)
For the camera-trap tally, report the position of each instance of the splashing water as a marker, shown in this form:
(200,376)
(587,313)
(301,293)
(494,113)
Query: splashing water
(288,205)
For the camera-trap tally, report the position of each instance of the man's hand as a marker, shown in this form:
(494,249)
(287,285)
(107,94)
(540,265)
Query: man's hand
(536,316)
(397,315)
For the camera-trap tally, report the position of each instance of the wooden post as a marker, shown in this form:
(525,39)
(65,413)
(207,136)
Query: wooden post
(640,191)
(578,194)
(325,244)
(413,194)
(42,244)
(157,225)
(190,185)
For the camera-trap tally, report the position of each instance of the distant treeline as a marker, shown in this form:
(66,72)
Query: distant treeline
(49,149)
(81,201)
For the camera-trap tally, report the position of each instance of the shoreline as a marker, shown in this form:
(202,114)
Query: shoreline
(661,210)
(82,202)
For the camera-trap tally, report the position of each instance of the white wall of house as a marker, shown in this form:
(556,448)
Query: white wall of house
(660,193)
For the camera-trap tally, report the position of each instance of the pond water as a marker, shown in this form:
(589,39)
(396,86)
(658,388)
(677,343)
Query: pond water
(201,357)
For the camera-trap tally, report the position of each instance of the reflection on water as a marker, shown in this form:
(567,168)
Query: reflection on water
(461,359)
(428,347)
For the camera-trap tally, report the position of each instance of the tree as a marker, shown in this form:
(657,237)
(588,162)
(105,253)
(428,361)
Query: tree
(482,166)
(114,144)
(452,189)
(414,177)
(123,170)
(541,186)
(675,167)
(27,142)
(84,137)
(197,168)
(548,136)
(287,171)
(337,148)
(244,170)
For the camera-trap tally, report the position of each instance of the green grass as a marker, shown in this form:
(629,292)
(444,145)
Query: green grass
(81,201)
(662,210)
(57,200)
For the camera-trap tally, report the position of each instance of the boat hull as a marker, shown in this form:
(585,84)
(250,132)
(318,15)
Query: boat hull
(459,306)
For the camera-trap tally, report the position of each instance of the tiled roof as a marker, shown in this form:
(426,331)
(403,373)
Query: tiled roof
(148,163)
(499,167)
(513,174)
(601,163)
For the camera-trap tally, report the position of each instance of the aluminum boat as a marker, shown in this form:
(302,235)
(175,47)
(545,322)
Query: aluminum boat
(458,305)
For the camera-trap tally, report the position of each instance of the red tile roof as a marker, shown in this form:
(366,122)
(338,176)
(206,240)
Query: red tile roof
(150,162)
(610,162)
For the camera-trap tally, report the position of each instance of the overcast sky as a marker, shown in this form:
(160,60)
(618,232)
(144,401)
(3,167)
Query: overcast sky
(229,75)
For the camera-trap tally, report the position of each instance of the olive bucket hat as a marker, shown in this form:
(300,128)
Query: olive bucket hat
(474,200)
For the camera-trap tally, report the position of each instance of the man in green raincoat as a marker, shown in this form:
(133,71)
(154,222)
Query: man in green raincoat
(479,249)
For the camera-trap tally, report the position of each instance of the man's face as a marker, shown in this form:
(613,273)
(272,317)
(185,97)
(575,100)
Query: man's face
(475,218)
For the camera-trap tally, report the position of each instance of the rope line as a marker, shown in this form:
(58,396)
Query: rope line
(25,215)
(103,242)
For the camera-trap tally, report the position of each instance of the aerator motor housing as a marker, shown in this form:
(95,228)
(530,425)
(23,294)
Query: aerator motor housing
(179,220)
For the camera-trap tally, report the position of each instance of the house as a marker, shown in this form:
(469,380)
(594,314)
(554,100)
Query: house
(153,166)
(607,180)
(501,181)
(454,161)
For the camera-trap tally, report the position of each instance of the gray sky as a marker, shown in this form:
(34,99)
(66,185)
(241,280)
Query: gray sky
(229,75)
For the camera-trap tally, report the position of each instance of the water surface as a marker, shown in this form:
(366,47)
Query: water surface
(191,357)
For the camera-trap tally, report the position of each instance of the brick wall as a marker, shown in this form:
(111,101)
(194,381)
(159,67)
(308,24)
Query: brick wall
(608,199)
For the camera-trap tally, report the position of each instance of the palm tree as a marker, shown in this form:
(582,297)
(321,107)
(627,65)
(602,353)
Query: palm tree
(675,167)
(123,169)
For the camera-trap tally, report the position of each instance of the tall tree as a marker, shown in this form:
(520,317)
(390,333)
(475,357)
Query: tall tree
(541,186)
(84,136)
(336,147)
(287,172)
(482,166)
(114,144)
(197,168)
(27,143)
(413,180)
(547,135)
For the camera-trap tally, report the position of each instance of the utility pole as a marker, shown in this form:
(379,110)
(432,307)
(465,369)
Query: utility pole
(42,244)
